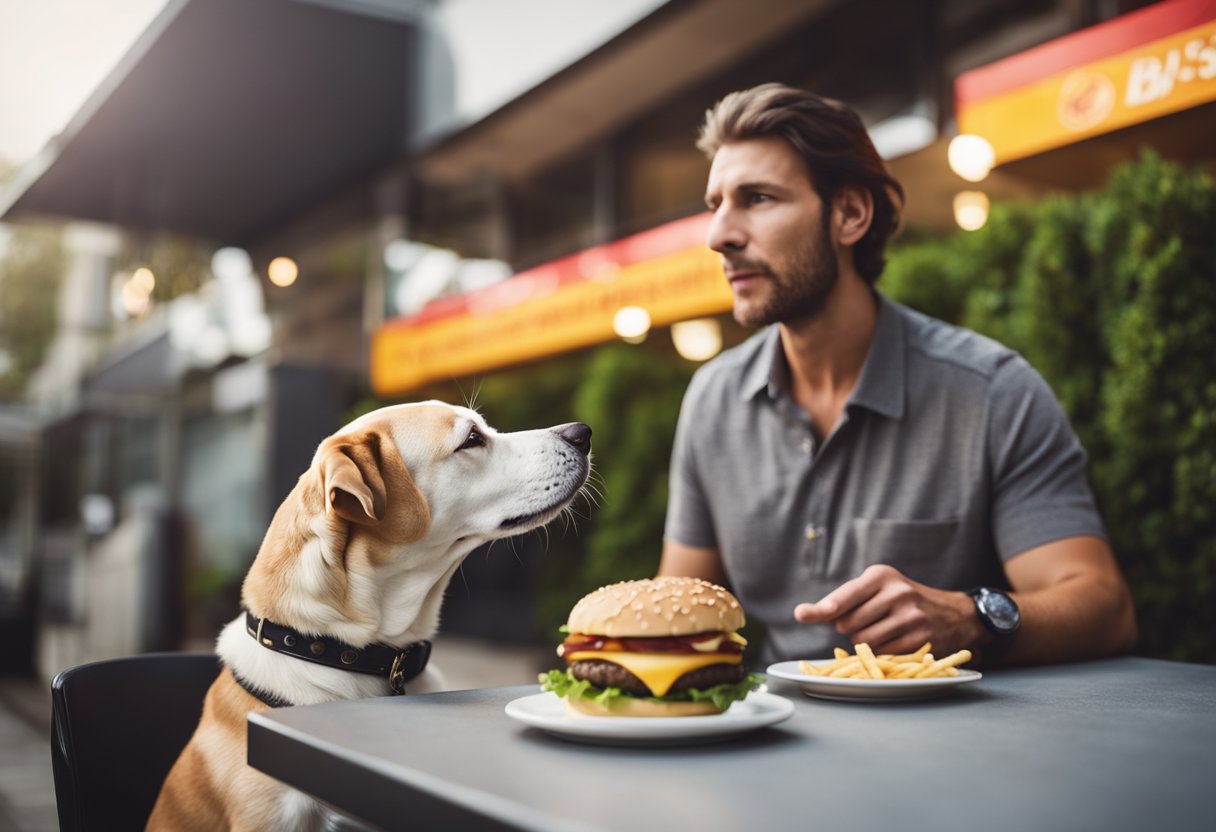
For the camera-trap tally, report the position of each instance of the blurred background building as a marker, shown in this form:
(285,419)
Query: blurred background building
(272,215)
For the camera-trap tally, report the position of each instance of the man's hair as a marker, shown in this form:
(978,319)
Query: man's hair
(833,144)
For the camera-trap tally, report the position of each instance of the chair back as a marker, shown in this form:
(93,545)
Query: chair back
(117,727)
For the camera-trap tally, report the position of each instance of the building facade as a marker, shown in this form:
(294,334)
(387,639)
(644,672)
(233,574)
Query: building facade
(433,254)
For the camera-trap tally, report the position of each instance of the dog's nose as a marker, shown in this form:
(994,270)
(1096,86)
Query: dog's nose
(577,435)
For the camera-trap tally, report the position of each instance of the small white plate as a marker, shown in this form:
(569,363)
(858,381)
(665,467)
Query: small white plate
(851,690)
(550,713)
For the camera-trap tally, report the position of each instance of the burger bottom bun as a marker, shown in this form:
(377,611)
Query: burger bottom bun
(643,707)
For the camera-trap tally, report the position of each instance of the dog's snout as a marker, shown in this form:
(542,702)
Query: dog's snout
(577,435)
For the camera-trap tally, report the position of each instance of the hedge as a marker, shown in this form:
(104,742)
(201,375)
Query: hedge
(1112,296)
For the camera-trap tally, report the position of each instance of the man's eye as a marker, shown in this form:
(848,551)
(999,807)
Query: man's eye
(475,440)
(754,199)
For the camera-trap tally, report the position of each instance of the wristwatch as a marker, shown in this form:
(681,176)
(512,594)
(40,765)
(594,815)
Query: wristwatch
(999,614)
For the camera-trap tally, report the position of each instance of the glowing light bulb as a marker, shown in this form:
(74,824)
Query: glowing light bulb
(697,340)
(144,280)
(282,271)
(971,157)
(971,210)
(631,323)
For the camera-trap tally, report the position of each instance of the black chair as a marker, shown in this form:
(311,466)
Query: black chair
(117,727)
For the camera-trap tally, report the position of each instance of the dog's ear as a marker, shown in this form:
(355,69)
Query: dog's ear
(362,475)
(354,489)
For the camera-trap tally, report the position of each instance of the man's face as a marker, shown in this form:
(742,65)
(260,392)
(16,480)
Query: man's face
(771,229)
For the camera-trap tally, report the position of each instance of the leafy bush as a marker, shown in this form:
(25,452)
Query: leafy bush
(633,398)
(1112,297)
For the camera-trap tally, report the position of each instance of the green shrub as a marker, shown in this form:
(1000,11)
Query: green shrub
(1112,297)
(633,397)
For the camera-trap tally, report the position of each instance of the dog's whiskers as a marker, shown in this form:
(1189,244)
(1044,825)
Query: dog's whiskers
(471,397)
(593,489)
(464,578)
(593,495)
(512,545)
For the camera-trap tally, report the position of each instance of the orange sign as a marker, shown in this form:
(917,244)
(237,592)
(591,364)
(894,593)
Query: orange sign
(1144,65)
(542,314)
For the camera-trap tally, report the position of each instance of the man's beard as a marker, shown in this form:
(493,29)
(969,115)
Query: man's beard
(802,291)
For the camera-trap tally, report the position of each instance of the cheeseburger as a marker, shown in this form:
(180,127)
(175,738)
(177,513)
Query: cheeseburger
(655,647)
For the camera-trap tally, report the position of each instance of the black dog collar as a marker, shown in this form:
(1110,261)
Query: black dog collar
(399,665)
(257,693)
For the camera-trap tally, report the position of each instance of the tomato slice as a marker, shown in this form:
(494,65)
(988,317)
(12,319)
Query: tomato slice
(716,642)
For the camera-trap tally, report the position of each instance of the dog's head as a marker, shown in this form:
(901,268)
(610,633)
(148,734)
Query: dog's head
(452,478)
(365,544)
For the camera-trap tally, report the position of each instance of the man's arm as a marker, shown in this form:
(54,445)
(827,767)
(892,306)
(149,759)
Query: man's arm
(1074,602)
(691,562)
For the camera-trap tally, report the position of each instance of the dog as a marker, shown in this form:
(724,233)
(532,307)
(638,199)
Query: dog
(346,589)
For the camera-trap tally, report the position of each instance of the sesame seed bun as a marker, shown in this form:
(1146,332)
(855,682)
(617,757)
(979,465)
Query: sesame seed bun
(656,608)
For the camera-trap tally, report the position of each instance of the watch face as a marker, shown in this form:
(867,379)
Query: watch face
(1000,610)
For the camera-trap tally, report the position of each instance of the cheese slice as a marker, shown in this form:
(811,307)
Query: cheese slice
(658,671)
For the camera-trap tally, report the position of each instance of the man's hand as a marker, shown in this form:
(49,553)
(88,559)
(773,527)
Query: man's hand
(894,614)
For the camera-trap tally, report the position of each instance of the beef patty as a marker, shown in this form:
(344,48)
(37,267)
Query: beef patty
(604,674)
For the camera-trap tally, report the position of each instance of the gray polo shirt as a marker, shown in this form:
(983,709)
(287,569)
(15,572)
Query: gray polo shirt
(952,456)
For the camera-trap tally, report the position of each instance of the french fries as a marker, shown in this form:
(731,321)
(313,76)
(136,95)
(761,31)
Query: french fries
(865,665)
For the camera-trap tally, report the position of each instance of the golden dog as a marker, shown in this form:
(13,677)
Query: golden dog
(347,586)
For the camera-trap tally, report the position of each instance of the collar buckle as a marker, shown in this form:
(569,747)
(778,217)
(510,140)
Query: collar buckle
(396,674)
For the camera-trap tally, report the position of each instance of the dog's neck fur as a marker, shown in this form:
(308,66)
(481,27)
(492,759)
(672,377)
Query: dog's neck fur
(322,575)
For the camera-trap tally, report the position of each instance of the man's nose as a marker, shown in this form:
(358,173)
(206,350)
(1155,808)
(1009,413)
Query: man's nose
(725,232)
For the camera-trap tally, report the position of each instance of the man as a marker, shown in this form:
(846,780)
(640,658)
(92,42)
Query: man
(856,471)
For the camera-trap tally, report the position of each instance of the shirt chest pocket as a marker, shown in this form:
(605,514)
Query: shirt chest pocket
(923,550)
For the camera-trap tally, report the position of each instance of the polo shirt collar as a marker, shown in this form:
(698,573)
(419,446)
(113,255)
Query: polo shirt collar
(882,385)
(883,377)
(767,372)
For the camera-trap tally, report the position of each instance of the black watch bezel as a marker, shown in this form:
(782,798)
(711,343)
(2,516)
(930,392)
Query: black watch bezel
(998,612)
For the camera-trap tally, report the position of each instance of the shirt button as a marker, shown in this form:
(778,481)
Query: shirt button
(812,533)
(807,446)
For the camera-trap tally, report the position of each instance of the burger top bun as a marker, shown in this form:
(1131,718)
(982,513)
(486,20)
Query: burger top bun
(656,608)
(629,706)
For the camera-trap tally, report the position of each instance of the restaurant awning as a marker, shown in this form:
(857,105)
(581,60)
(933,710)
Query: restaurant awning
(229,117)
(1067,110)
(677,45)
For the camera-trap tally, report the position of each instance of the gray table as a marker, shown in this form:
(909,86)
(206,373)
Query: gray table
(1124,744)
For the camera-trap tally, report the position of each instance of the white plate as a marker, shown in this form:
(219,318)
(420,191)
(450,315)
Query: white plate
(827,687)
(550,713)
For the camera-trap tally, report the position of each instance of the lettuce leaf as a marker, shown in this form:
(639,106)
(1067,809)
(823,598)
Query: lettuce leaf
(565,685)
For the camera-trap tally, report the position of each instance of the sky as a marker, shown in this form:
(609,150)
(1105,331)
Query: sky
(54,53)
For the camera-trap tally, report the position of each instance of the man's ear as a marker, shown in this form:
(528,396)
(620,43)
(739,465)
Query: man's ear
(354,488)
(852,213)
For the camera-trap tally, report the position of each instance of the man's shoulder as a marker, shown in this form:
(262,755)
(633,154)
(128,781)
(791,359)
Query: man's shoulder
(953,348)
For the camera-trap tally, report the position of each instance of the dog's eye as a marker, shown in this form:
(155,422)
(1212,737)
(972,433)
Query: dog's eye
(475,440)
